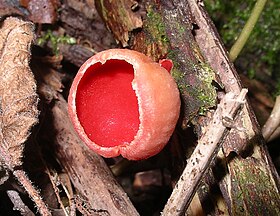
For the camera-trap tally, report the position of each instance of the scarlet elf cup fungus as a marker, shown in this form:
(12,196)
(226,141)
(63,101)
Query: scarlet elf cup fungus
(121,102)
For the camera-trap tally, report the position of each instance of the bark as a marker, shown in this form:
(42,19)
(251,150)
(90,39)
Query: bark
(249,166)
(80,20)
(183,32)
(206,149)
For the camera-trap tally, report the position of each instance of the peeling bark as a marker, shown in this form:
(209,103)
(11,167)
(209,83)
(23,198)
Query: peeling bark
(120,18)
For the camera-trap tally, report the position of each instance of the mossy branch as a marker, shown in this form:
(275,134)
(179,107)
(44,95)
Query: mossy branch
(246,31)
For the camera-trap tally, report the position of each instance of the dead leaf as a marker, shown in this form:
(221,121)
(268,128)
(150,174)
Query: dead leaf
(18,98)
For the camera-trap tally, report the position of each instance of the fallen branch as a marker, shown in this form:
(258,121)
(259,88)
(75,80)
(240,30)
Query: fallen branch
(18,203)
(275,134)
(32,191)
(204,153)
(251,183)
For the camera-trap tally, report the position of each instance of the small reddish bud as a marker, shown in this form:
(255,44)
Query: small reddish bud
(167,64)
(121,102)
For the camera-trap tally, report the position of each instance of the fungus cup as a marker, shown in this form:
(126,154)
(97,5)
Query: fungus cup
(121,102)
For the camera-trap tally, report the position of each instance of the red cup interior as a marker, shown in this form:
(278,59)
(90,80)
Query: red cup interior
(107,106)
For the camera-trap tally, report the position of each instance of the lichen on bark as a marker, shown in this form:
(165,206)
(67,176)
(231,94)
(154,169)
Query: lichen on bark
(252,189)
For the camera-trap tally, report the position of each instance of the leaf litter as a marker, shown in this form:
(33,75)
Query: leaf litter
(18,100)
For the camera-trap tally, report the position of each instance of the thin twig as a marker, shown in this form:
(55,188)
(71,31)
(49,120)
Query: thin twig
(204,153)
(19,204)
(246,31)
(32,191)
(273,122)
(55,182)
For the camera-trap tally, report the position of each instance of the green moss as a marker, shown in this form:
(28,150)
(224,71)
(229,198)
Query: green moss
(204,93)
(277,88)
(179,29)
(55,40)
(261,53)
(155,26)
(207,95)
(251,73)
(206,74)
(253,190)
(198,90)
(172,54)
(202,89)
(179,77)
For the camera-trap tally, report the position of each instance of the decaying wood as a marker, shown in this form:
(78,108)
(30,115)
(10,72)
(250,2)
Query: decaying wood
(81,20)
(18,100)
(253,173)
(76,54)
(184,29)
(204,153)
(120,17)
